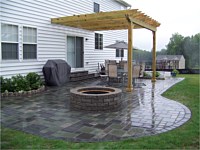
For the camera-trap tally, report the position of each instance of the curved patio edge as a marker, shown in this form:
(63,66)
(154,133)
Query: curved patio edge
(48,115)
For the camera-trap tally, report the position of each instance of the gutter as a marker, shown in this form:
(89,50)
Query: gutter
(123,3)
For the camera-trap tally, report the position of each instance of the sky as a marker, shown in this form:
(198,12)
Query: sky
(182,16)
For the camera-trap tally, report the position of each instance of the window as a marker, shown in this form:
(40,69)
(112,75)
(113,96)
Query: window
(98,41)
(119,53)
(96,7)
(9,41)
(29,43)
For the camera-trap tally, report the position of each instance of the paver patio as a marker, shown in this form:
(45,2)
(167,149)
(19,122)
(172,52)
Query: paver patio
(145,112)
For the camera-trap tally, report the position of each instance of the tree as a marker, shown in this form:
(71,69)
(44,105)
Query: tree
(191,49)
(142,56)
(161,52)
(175,45)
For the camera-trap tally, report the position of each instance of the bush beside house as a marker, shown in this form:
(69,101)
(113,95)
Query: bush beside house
(21,84)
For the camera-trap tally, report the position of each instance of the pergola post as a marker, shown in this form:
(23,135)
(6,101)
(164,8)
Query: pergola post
(130,56)
(154,58)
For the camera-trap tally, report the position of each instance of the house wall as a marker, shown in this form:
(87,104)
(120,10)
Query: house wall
(51,38)
(182,63)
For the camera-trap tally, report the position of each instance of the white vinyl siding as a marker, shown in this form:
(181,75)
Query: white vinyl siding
(51,38)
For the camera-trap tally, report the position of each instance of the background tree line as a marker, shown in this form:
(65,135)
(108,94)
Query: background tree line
(188,46)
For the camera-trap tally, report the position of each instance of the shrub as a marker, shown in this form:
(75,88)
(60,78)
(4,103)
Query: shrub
(20,83)
(2,83)
(149,76)
(157,74)
(6,85)
(146,74)
(34,80)
(175,71)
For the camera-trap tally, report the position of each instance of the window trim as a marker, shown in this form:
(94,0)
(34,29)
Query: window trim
(119,53)
(99,42)
(29,43)
(18,42)
(96,4)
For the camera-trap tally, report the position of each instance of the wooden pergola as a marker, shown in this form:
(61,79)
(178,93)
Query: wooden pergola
(116,20)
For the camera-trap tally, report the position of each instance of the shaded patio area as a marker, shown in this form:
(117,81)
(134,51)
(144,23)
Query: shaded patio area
(116,20)
(145,112)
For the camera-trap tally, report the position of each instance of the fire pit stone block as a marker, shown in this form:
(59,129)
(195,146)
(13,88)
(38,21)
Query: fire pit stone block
(96,99)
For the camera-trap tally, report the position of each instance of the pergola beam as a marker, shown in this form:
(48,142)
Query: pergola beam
(112,28)
(97,22)
(102,28)
(142,24)
(94,16)
(115,24)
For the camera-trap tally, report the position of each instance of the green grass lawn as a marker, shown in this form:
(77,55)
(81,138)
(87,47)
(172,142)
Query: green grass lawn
(184,137)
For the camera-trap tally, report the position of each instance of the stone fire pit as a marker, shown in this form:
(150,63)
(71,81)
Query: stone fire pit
(95,98)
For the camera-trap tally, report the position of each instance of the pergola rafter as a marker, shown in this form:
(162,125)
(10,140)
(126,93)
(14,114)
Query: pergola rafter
(115,20)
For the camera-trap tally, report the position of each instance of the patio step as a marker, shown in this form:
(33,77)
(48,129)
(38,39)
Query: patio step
(80,75)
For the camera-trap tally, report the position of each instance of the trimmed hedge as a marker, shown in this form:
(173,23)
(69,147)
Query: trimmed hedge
(21,83)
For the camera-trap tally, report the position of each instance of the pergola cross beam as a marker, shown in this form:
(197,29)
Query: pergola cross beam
(141,23)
